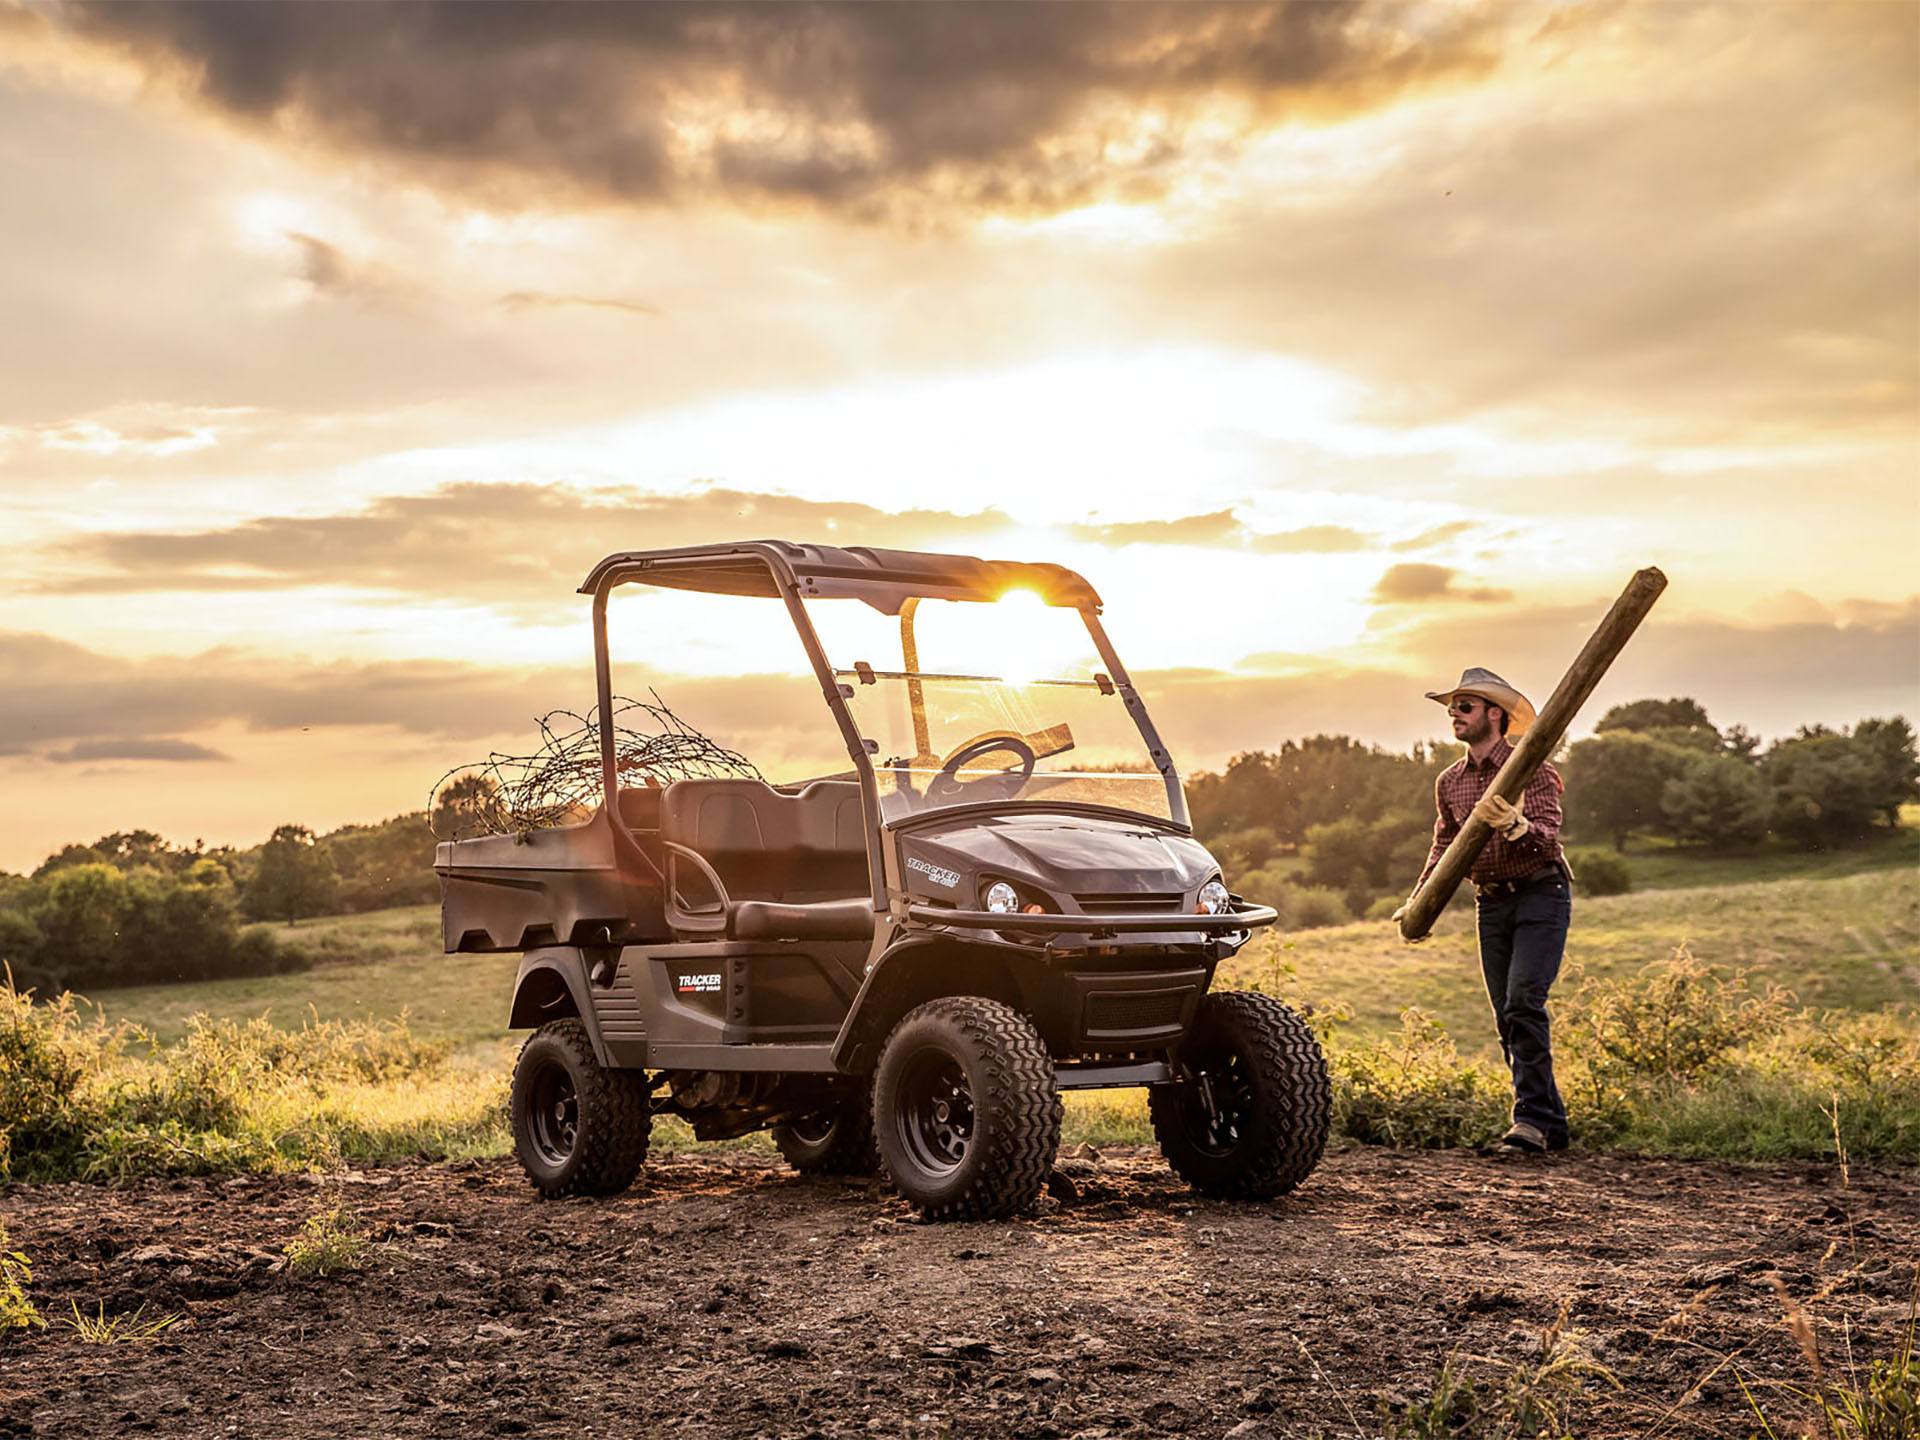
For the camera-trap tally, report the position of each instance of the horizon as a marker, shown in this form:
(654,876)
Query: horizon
(1340,348)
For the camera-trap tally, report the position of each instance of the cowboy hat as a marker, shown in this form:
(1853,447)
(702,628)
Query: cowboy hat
(1490,687)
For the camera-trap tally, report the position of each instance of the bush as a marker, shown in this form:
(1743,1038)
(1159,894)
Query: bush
(77,1100)
(329,1244)
(17,1310)
(1414,1090)
(1309,907)
(1599,872)
(1246,849)
(101,925)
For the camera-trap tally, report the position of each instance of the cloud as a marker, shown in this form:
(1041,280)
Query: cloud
(524,546)
(1610,239)
(159,748)
(517,545)
(1413,583)
(335,274)
(1770,677)
(1438,535)
(542,300)
(1032,106)
(1224,529)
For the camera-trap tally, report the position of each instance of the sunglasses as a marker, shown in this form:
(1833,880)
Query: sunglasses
(1463,707)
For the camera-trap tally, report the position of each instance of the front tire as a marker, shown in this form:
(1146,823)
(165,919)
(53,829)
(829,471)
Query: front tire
(835,1141)
(1250,1121)
(578,1128)
(965,1109)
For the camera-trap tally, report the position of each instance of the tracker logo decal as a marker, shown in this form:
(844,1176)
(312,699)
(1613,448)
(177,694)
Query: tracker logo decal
(705,984)
(939,876)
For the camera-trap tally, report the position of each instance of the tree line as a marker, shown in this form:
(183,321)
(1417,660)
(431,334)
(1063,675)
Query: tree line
(130,908)
(1328,826)
(1343,827)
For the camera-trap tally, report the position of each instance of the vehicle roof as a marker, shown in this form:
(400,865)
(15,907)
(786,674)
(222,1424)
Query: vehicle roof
(883,578)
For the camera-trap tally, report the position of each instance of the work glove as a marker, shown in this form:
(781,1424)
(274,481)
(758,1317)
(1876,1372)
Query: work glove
(1400,914)
(1501,817)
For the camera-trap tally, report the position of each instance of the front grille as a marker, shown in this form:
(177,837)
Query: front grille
(1131,904)
(1129,1012)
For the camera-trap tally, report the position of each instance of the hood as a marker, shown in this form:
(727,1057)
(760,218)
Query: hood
(1074,862)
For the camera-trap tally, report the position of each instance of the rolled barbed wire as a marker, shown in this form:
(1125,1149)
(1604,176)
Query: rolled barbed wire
(560,783)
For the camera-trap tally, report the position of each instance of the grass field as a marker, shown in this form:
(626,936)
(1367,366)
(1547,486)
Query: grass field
(1850,941)
(1841,936)
(460,998)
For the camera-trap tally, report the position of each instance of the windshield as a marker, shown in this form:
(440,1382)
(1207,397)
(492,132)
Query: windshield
(963,701)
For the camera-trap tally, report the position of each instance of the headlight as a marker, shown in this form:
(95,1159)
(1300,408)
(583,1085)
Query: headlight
(1214,899)
(1001,898)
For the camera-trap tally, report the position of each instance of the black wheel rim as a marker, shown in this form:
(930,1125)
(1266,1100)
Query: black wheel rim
(553,1114)
(934,1113)
(1217,1102)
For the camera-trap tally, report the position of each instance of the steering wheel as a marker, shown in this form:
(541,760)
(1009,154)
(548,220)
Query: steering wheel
(948,785)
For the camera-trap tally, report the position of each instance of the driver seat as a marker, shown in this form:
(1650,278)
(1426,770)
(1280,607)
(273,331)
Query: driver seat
(748,862)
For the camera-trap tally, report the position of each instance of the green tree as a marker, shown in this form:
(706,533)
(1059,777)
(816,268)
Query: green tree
(1827,787)
(1716,800)
(1679,713)
(1890,749)
(1616,781)
(464,805)
(294,878)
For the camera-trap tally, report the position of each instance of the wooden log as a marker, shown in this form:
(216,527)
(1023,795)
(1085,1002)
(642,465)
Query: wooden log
(1426,903)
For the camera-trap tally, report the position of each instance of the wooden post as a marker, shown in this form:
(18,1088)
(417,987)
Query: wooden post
(1535,746)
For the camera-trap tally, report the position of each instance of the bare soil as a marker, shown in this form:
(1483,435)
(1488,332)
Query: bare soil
(727,1296)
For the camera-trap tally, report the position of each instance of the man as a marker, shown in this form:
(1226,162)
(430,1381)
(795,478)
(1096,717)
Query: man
(1523,891)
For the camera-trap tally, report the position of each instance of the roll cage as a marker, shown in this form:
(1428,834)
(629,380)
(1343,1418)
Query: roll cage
(892,581)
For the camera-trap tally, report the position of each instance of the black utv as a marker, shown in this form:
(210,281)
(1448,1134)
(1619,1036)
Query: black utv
(903,964)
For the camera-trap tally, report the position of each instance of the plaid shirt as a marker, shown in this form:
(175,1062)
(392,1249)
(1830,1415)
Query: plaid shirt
(1464,782)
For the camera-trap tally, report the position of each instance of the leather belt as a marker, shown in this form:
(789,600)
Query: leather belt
(1497,888)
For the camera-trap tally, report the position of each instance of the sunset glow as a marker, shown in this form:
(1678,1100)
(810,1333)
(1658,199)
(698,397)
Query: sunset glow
(1337,357)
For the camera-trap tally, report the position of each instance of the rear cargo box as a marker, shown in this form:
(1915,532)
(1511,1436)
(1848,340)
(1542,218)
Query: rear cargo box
(563,886)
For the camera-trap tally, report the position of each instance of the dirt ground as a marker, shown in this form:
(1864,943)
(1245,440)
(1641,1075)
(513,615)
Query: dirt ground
(726,1296)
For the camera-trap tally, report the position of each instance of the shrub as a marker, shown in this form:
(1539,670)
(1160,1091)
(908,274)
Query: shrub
(1677,1021)
(78,1102)
(48,1057)
(1414,1090)
(1244,849)
(1310,907)
(1599,872)
(17,1310)
(329,1244)
(99,924)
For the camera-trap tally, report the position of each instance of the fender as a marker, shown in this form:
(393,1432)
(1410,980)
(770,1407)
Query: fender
(552,983)
(890,985)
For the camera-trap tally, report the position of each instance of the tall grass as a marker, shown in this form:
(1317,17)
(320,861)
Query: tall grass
(1680,1058)
(84,1098)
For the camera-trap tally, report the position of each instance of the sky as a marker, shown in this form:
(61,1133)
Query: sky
(1340,345)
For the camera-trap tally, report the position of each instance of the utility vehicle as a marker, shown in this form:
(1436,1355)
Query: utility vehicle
(902,963)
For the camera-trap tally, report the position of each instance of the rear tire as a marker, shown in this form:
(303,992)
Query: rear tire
(1272,1100)
(835,1141)
(965,1109)
(578,1128)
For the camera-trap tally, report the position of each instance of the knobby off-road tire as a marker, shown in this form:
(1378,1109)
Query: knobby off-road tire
(836,1141)
(965,1109)
(1273,1100)
(578,1128)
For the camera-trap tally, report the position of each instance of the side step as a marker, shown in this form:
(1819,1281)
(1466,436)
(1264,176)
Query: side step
(1111,1077)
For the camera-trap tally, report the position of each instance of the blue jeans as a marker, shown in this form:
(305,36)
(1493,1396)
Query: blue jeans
(1523,937)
